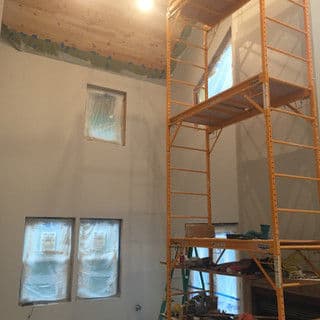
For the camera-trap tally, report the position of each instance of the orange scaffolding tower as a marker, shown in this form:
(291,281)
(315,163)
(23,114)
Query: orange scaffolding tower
(261,94)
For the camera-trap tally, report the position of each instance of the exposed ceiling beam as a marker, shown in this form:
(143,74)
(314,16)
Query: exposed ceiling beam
(115,29)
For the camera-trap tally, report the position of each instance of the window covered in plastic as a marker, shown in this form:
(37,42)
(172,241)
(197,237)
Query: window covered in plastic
(226,287)
(46,260)
(105,115)
(98,258)
(220,76)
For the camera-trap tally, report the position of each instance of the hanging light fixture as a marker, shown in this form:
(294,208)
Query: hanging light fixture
(145,5)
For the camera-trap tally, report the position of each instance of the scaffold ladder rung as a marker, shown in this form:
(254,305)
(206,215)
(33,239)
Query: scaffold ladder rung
(300,247)
(295,114)
(188,170)
(297,3)
(190,63)
(189,217)
(292,210)
(292,176)
(189,193)
(293,144)
(289,26)
(287,53)
(188,148)
(186,83)
(182,103)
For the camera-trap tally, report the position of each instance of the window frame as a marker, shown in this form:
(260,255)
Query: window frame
(221,228)
(223,45)
(124,116)
(76,258)
(72,279)
(69,282)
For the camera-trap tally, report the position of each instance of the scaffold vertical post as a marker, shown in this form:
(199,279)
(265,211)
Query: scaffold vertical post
(311,84)
(271,164)
(209,207)
(168,153)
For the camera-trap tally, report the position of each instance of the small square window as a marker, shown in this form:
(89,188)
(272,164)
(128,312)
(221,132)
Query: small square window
(98,258)
(105,115)
(46,260)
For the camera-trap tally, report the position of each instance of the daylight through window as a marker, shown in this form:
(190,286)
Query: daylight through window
(105,115)
(98,258)
(46,260)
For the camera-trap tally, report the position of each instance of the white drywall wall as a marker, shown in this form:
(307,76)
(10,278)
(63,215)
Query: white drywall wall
(49,169)
(254,195)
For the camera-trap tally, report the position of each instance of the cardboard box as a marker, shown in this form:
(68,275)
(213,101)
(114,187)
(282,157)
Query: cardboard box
(199,230)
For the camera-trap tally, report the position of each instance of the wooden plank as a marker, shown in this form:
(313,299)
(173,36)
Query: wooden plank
(243,116)
(209,12)
(216,100)
(283,92)
(199,230)
(206,112)
(262,246)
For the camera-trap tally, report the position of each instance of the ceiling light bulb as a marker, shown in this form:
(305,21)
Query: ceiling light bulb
(145,5)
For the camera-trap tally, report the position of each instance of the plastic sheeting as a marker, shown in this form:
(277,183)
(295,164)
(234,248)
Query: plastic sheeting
(226,287)
(105,115)
(46,260)
(221,77)
(98,258)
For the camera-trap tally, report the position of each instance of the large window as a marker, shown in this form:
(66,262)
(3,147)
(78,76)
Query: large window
(105,115)
(98,258)
(46,260)
(221,76)
(226,287)
(220,71)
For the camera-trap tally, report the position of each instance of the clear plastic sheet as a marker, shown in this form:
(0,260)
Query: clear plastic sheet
(46,260)
(105,115)
(98,258)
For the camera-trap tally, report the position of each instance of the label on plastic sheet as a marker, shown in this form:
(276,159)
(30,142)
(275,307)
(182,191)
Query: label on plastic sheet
(99,241)
(48,241)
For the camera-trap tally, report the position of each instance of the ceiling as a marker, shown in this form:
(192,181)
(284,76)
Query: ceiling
(111,28)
